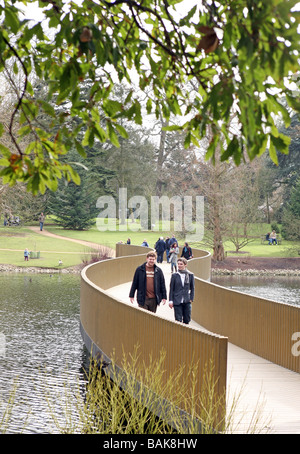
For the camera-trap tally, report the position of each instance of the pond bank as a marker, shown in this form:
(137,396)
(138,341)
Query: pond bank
(251,272)
(257,266)
(215,271)
(4,268)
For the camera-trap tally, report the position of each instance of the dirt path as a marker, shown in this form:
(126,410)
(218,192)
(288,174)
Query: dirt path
(89,244)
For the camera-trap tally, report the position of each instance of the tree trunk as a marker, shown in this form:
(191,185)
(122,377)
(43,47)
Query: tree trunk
(218,249)
(268,210)
(219,254)
(160,160)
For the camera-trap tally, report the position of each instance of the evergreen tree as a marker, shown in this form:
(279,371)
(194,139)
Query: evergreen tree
(294,205)
(75,205)
(289,164)
(288,169)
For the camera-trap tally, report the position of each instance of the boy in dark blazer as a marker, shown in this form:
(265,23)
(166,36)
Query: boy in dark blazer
(182,291)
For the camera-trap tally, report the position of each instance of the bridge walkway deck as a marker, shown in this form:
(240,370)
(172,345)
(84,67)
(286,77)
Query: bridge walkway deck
(263,396)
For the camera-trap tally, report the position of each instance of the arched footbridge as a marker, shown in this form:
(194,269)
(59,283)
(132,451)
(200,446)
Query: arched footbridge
(253,341)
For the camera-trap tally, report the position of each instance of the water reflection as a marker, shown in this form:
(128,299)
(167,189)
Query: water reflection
(283,289)
(39,321)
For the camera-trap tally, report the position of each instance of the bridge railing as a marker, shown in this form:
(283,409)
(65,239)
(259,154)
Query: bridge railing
(264,327)
(111,327)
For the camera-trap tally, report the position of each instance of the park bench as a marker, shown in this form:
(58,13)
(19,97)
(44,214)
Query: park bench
(265,241)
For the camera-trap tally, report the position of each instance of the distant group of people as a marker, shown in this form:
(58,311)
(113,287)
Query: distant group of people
(15,220)
(170,247)
(11,220)
(271,237)
(149,286)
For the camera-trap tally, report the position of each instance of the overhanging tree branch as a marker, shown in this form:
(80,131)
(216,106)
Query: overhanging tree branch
(20,99)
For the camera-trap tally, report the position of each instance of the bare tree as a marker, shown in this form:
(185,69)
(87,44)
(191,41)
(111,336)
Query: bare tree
(212,180)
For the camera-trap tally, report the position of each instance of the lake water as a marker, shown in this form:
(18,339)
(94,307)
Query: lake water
(41,351)
(41,347)
(283,289)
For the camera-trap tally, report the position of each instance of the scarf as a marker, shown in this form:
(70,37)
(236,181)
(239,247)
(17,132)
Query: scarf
(186,277)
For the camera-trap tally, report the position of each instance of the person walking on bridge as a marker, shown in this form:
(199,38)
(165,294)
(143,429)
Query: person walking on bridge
(182,290)
(160,248)
(149,283)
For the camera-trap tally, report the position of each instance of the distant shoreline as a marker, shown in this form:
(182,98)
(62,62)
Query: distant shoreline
(253,272)
(5,268)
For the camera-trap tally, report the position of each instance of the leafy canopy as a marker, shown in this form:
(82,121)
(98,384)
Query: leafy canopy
(222,67)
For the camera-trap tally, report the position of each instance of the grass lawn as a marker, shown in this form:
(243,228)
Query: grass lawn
(108,238)
(264,250)
(13,241)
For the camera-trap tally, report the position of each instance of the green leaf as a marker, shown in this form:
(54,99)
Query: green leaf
(122,131)
(211,148)
(67,78)
(134,113)
(112,135)
(48,108)
(277,107)
(187,140)
(194,141)
(149,106)
(273,154)
(4,163)
(85,141)
(24,131)
(232,150)
(111,107)
(12,20)
(100,133)
(33,184)
(172,128)
(281,143)
(5,151)
(73,174)
(294,102)
(174,106)
(80,149)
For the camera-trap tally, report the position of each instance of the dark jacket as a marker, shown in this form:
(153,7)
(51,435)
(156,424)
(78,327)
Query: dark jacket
(179,292)
(168,245)
(186,252)
(139,285)
(160,246)
(172,241)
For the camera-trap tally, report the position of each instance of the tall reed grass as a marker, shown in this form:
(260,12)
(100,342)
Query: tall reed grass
(139,399)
